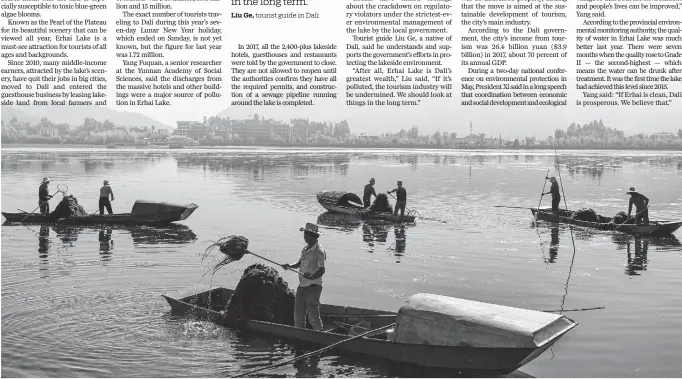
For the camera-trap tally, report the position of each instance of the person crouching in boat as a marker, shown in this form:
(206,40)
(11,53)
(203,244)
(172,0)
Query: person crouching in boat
(104,194)
(369,191)
(641,203)
(44,196)
(401,199)
(556,196)
(309,289)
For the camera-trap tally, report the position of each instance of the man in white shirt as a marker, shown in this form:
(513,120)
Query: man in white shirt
(311,265)
(104,194)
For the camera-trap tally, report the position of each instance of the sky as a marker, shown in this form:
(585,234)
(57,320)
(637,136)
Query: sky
(442,115)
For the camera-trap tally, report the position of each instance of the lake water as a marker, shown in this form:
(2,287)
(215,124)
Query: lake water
(87,302)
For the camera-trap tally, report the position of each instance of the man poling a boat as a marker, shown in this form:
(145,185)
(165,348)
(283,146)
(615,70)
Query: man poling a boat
(556,196)
(369,191)
(44,196)
(401,199)
(641,203)
(104,194)
(311,266)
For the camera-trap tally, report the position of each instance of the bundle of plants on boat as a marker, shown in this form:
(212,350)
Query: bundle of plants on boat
(262,295)
(68,208)
(622,218)
(381,204)
(585,214)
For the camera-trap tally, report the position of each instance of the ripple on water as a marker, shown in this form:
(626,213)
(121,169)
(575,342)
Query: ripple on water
(73,305)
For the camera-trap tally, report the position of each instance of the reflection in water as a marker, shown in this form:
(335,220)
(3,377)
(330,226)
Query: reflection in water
(339,221)
(372,233)
(638,248)
(638,262)
(43,246)
(68,234)
(554,244)
(400,241)
(175,234)
(106,245)
(260,166)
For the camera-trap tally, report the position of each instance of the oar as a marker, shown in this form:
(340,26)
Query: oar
(316,352)
(505,206)
(623,223)
(58,191)
(541,196)
(574,310)
(424,218)
(235,247)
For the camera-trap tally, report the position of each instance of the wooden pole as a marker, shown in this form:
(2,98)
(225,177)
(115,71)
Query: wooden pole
(316,352)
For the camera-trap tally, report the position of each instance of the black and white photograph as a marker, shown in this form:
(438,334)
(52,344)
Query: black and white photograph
(356,189)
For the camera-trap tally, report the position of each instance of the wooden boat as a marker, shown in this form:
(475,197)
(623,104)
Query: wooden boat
(655,228)
(143,213)
(350,203)
(431,331)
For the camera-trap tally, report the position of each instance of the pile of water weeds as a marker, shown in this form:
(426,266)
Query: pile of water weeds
(261,295)
(381,204)
(622,218)
(585,214)
(68,208)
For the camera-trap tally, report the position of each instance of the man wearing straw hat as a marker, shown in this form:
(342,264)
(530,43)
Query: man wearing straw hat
(309,289)
(641,203)
(44,196)
(104,194)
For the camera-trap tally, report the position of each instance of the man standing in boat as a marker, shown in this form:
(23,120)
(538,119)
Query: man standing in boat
(104,194)
(44,197)
(641,203)
(401,199)
(556,196)
(369,191)
(311,265)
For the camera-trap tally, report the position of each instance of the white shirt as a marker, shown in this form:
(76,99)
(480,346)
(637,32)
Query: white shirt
(312,259)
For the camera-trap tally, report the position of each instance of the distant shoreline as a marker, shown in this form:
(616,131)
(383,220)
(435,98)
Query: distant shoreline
(383,146)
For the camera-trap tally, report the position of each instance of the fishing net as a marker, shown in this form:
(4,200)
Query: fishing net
(621,218)
(381,204)
(68,208)
(261,295)
(585,214)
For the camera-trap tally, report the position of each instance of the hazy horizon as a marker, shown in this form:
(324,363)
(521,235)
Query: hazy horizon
(444,115)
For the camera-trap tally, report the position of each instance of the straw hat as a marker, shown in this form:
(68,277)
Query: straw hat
(45,180)
(106,182)
(312,228)
(632,190)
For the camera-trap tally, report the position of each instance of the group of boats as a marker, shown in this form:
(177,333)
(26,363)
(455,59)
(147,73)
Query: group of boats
(428,330)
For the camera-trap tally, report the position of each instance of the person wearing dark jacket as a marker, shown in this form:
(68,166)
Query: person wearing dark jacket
(641,203)
(401,199)
(556,196)
(369,191)
(44,196)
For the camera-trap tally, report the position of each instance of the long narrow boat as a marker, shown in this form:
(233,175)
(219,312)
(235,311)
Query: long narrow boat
(350,203)
(655,228)
(431,331)
(143,213)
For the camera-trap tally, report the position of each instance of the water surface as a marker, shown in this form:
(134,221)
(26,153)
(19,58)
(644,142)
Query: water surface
(87,301)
